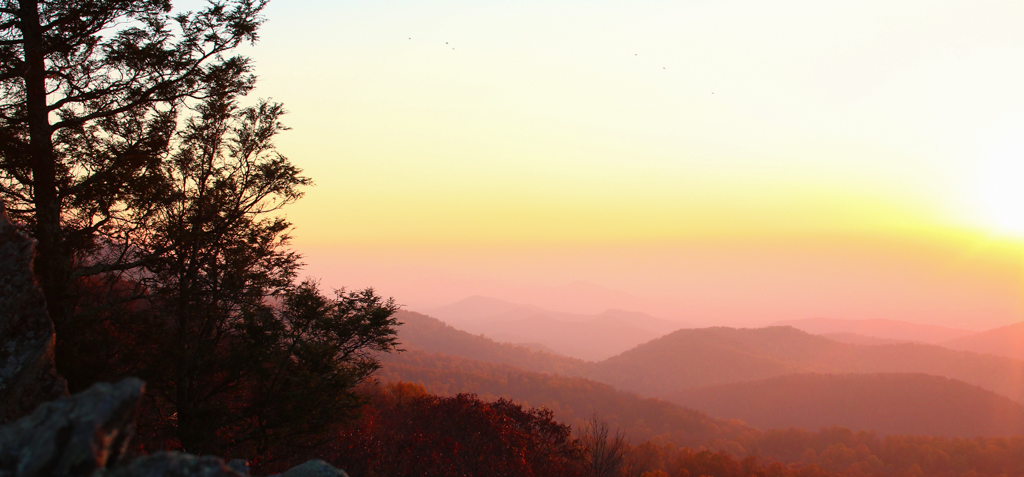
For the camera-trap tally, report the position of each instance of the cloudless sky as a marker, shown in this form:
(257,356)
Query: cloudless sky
(730,162)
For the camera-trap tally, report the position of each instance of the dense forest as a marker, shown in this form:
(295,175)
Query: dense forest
(889,403)
(404,428)
(572,399)
(675,440)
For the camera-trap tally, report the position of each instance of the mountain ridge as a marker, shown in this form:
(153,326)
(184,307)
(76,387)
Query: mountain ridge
(1004,341)
(584,336)
(572,399)
(719,355)
(877,328)
(886,403)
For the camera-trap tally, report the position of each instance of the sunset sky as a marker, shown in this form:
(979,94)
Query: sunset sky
(717,162)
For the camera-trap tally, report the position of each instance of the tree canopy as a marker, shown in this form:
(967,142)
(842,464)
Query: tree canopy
(155,198)
(91,95)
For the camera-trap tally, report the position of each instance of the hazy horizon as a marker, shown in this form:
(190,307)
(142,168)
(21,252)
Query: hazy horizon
(543,238)
(731,163)
(978,294)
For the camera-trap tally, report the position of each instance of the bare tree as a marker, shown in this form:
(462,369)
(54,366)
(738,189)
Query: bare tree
(606,453)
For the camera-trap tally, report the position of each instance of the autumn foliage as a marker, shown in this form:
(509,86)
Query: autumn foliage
(405,431)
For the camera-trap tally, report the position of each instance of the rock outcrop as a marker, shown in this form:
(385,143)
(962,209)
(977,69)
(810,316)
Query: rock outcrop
(27,373)
(175,464)
(87,434)
(74,435)
(314,468)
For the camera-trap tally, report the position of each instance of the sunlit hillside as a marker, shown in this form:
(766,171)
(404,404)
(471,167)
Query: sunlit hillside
(703,357)
(887,403)
(1004,341)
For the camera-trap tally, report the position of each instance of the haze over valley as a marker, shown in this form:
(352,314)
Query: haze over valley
(769,378)
(532,238)
(753,238)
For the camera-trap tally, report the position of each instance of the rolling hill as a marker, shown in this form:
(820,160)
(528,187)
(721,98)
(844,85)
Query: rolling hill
(747,374)
(590,337)
(1006,341)
(885,329)
(449,361)
(424,333)
(854,338)
(476,309)
(571,399)
(710,356)
(888,403)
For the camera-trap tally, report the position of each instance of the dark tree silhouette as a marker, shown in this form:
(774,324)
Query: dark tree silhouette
(90,92)
(250,354)
(155,199)
(239,359)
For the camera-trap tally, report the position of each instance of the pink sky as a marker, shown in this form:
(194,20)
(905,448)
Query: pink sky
(733,162)
(958,283)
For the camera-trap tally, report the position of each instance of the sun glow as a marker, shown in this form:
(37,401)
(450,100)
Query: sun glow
(1001,185)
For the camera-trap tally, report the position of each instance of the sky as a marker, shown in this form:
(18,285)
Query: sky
(716,162)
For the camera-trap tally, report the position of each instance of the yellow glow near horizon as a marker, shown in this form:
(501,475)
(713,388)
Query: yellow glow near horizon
(541,122)
(543,126)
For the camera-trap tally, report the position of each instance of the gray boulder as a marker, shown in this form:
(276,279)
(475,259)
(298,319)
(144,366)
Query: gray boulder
(175,464)
(87,435)
(314,468)
(82,435)
(27,373)
(239,465)
(74,435)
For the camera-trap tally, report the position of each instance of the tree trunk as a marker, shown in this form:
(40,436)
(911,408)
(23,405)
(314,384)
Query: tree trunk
(53,261)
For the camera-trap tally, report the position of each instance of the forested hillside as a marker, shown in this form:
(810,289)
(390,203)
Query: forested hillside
(854,338)
(572,399)
(888,403)
(709,356)
(878,328)
(734,449)
(1005,341)
(429,334)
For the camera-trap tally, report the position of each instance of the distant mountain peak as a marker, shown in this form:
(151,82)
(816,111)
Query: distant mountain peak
(707,356)
(585,336)
(1004,341)
(883,328)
